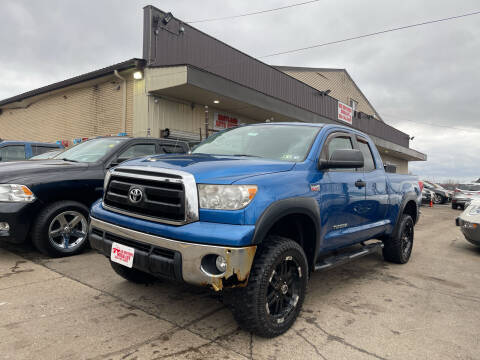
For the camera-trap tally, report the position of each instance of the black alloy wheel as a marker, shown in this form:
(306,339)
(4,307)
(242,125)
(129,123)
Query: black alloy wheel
(270,303)
(407,239)
(284,289)
(398,247)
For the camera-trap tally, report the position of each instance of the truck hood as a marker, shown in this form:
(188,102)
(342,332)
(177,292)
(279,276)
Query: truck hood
(31,170)
(214,168)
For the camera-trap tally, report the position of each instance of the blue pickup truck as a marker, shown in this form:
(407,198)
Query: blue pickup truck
(22,150)
(253,211)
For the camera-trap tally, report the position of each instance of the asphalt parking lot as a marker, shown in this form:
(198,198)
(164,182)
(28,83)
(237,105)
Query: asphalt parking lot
(77,308)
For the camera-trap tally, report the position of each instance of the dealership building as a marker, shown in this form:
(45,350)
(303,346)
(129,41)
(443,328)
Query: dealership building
(189,84)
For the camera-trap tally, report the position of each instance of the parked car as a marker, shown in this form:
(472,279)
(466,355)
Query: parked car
(469,222)
(427,195)
(48,200)
(465,193)
(441,195)
(253,211)
(47,155)
(22,150)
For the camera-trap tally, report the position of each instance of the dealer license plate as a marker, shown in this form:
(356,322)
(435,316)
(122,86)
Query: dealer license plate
(122,254)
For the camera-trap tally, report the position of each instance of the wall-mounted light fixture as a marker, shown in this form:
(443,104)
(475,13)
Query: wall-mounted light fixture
(137,75)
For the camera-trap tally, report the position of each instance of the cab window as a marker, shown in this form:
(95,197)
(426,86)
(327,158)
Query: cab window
(137,150)
(339,142)
(12,153)
(172,149)
(369,163)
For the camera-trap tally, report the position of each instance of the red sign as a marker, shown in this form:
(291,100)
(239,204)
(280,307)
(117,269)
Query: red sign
(222,122)
(345,113)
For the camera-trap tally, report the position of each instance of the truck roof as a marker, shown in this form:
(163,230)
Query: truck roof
(19,142)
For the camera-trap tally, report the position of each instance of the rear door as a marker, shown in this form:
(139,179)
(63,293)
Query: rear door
(339,198)
(375,207)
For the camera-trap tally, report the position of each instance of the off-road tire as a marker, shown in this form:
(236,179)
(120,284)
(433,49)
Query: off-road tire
(40,229)
(394,247)
(132,275)
(249,304)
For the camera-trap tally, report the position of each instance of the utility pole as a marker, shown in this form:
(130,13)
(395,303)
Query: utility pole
(206,121)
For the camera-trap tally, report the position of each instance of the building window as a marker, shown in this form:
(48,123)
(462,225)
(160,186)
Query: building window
(353,104)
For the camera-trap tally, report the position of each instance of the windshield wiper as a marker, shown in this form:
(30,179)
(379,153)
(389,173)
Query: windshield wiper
(75,161)
(246,155)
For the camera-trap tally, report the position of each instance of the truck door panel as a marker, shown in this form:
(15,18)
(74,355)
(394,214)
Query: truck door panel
(340,200)
(376,195)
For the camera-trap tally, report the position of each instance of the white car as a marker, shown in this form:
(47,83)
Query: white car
(469,222)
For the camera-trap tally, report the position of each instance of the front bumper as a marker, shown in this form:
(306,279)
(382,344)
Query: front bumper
(470,230)
(177,260)
(18,216)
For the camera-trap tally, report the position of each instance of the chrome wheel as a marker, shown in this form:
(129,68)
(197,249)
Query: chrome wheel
(437,199)
(68,230)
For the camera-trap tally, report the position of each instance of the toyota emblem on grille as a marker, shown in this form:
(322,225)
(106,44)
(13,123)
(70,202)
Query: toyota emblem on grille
(135,195)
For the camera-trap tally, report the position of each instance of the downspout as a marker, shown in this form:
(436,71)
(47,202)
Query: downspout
(124,107)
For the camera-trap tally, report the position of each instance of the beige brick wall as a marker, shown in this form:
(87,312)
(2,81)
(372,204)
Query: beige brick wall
(178,116)
(338,81)
(402,165)
(88,111)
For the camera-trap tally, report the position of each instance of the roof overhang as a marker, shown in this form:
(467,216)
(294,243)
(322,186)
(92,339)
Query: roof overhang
(197,86)
(192,85)
(84,80)
(389,148)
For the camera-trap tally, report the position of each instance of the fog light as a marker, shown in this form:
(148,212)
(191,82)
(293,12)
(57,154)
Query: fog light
(4,226)
(221,264)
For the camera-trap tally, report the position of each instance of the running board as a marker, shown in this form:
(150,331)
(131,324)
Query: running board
(334,261)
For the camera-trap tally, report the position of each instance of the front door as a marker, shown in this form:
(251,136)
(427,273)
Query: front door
(339,197)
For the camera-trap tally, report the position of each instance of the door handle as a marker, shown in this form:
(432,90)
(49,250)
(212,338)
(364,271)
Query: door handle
(360,183)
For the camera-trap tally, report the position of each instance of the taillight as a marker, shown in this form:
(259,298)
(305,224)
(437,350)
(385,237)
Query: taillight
(420,183)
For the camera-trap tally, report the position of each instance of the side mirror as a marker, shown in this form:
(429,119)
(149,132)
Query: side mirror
(343,159)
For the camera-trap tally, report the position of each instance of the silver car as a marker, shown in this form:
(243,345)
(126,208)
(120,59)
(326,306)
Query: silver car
(464,193)
(469,222)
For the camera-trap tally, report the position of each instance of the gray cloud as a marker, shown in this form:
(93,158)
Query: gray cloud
(427,74)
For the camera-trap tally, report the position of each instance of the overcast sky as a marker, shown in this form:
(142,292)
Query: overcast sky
(424,75)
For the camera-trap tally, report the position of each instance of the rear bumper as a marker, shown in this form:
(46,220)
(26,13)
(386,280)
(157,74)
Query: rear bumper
(173,259)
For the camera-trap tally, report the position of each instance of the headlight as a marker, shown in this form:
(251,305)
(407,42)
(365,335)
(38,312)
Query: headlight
(225,197)
(469,225)
(15,193)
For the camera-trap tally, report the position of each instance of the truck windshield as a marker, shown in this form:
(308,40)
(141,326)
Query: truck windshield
(276,142)
(90,151)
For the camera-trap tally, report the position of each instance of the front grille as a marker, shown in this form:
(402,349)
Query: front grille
(163,196)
